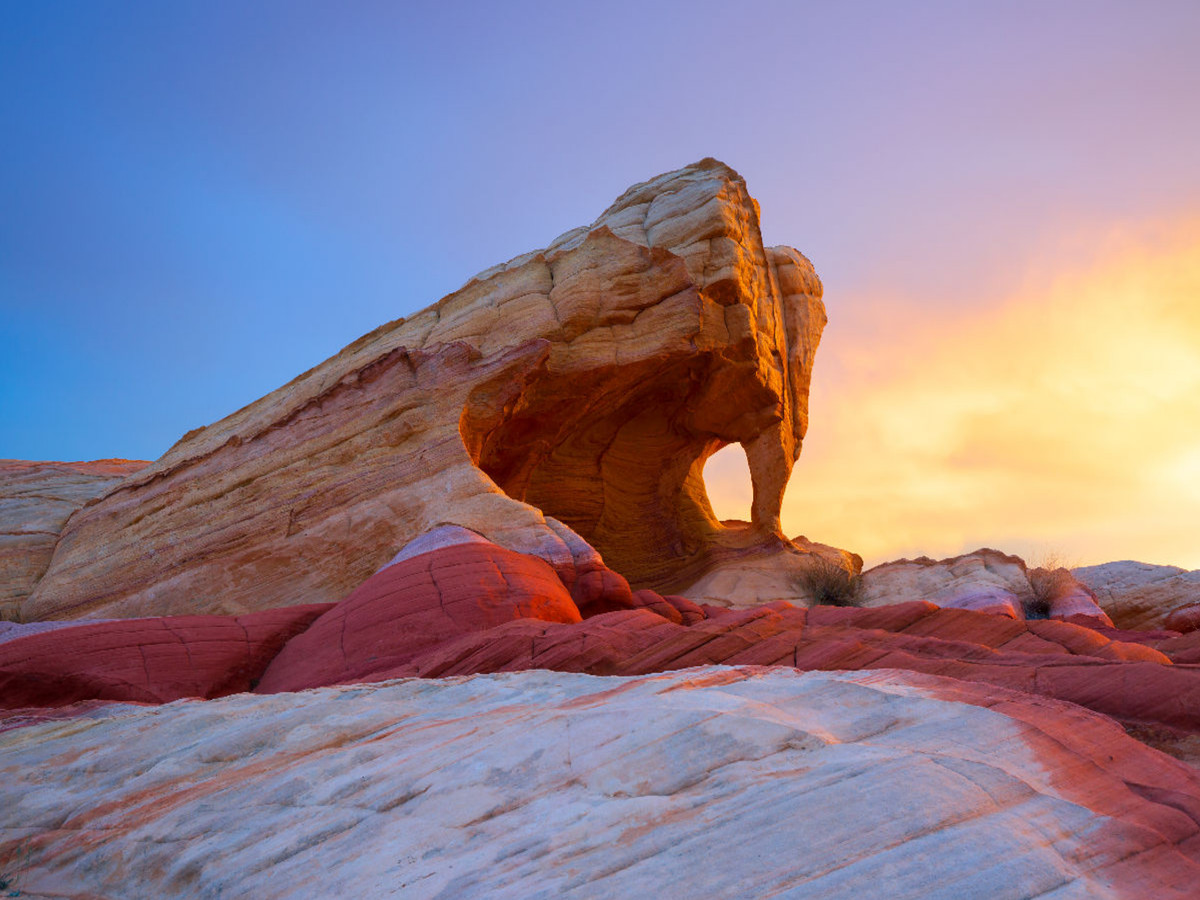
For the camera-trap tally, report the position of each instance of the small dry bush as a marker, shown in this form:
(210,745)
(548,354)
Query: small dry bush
(1047,580)
(826,583)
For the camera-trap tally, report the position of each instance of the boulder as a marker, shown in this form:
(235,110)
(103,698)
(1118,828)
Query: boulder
(986,581)
(766,572)
(415,604)
(1140,595)
(587,382)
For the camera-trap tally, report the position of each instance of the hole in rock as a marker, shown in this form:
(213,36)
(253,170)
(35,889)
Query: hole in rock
(620,457)
(621,463)
(727,482)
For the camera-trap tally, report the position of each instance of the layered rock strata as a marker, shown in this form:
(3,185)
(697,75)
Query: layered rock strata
(1140,595)
(587,382)
(36,499)
(715,782)
(462,606)
(147,660)
(986,581)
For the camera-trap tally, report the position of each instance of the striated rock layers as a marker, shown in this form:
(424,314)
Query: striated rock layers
(986,581)
(719,782)
(582,385)
(1139,595)
(459,605)
(36,498)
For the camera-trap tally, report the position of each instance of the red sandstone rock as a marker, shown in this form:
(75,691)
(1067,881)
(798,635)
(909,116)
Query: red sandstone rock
(1131,681)
(471,607)
(147,660)
(412,606)
(1184,618)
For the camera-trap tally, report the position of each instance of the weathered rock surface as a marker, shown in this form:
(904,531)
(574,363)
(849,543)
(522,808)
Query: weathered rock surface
(722,783)
(1139,595)
(985,581)
(35,500)
(465,606)
(588,381)
(147,660)
(767,574)
(416,604)
(383,622)
(444,489)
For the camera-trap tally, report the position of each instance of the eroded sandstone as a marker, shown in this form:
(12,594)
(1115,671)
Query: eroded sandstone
(1140,595)
(719,782)
(456,604)
(987,581)
(36,498)
(587,382)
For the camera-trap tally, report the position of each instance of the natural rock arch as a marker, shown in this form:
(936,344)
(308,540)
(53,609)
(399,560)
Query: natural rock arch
(588,381)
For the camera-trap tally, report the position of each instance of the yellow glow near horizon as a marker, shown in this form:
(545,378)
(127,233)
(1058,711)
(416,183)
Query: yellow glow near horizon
(1065,419)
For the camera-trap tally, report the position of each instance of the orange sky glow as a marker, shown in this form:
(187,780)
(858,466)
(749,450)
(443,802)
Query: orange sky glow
(1063,420)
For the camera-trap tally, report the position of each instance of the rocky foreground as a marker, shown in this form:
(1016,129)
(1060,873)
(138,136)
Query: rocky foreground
(450,615)
(715,782)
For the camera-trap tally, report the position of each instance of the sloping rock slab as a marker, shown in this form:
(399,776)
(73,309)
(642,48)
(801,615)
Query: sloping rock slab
(716,783)
(36,499)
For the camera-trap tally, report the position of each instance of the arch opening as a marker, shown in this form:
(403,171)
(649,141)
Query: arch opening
(729,486)
(621,460)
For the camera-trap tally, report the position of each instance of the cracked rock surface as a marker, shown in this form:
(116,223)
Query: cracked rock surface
(718,782)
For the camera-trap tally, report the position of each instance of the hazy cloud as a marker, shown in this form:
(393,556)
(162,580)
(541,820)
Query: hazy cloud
(1065,418)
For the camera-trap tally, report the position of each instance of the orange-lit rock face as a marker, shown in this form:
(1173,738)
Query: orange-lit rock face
(588,381)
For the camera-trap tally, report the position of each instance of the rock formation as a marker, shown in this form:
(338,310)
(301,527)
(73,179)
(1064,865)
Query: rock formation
(767,574)
(146,660)
(719,782)
(456,604)
(1139,595)
(384,556)
(36,498)
(588,382)
(986,580)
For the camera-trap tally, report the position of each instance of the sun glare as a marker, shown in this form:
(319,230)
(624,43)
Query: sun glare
(1065,416)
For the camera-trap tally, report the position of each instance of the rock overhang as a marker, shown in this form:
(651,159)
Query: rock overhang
(588,382)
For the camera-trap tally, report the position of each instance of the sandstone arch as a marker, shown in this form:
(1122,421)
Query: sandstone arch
(588,381)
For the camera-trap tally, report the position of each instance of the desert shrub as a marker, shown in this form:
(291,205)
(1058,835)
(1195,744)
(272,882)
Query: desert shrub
(1047,580)
(826,583)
